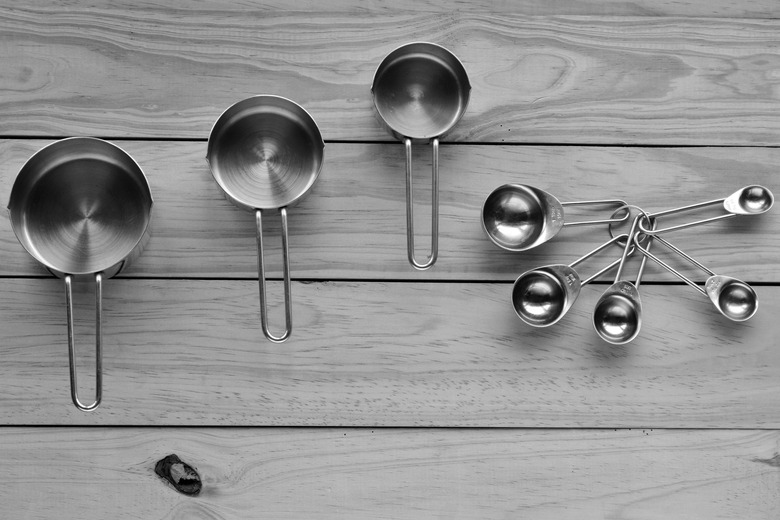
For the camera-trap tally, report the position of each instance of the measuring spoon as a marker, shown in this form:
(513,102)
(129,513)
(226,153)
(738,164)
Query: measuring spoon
(518,217)
(617,316)
(750,200)
(734,298)
(542,296)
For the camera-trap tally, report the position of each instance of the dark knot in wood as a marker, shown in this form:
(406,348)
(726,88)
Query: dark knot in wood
(181,475)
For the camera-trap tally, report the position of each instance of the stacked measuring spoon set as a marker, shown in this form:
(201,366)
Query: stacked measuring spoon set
(519,217)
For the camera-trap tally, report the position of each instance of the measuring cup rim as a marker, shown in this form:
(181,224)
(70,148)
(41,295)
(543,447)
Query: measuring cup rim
(259,100)
(466,89)
(22,232)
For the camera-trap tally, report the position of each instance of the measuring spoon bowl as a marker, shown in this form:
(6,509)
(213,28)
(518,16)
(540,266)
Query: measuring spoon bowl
(750,200)
(734,298)
(617,316)
(543,295)
(517,217)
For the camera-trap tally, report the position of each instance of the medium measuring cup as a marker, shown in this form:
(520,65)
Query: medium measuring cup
(81,207)
(750,200)
(266,152)
(734,298)
(420,92)
(542,296)
(617,316)
(517,217)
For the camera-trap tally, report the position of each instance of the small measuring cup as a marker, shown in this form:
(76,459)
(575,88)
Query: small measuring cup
(81,207)
(420,92)
(266,152)
(735,299)
(517,217)
(617,316)
(542,296)
(750,200)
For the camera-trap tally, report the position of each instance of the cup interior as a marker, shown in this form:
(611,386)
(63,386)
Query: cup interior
(80,206)
(265,152)
(421,90)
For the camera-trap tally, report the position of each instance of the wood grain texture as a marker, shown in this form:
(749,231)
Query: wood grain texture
(156,71)
(384,354)
(353,223)
(655,8)
(391,474)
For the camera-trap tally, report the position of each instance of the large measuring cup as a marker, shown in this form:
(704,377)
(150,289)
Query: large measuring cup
(542,296)
(81,207)
(517,217)
(735,299)
(617,316)
(750,200)
(266,152)
(420,92)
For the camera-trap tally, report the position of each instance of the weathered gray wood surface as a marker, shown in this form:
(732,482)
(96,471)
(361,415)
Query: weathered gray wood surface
(391,474)
(659,103)
(353,223)
(162,72)
(385,354)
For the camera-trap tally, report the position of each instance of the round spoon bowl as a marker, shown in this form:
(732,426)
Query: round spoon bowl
(755,199)
(617,319)
(513,216)
(539,298)
(734,298)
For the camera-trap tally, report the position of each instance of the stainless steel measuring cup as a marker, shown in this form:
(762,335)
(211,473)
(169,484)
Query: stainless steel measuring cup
(266,152)
(420,92)
(81,207)
(734,298)
(750,200)
(517,217)
(542,296)
(617,316)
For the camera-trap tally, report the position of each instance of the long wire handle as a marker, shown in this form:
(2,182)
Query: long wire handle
(606,202)
(74,394)
(686,256)
(688,224)
(434,207)
(666,266)
(604,269)
(261,279)
(628,249)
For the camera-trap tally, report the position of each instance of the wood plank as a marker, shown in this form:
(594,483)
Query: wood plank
(353,223)
(188,352)
(654,8)
(391,474)
(83,69)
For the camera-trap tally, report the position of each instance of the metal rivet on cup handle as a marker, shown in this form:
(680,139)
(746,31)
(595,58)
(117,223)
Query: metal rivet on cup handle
(420,91)
(81,207)
(266,152)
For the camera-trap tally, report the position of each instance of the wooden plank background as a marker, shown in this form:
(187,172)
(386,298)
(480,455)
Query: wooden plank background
(391,474)
(401,394)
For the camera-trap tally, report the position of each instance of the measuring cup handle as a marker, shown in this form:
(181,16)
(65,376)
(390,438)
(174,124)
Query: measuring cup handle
(261,279)
(74,394)
(434,207)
